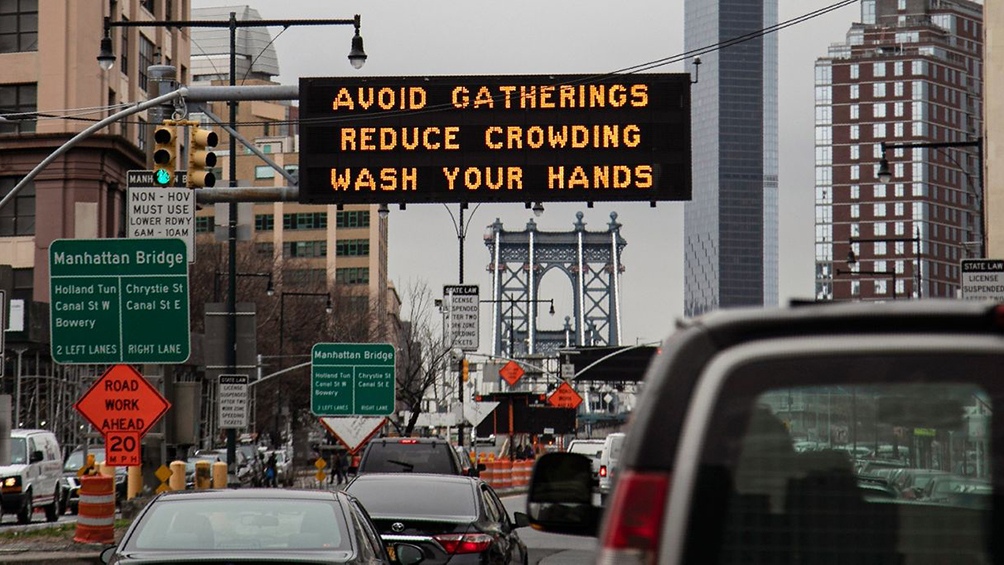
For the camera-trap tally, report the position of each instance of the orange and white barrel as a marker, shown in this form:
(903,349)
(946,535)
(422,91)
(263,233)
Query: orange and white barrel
(96,510)
(505,474)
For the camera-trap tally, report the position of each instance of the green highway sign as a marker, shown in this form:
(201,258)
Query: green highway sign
(118,301)
(352,379)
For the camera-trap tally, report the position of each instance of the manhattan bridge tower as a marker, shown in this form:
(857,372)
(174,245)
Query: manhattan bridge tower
(520,260)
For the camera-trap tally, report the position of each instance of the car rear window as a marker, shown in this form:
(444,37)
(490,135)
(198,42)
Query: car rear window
(241,523)
(441,500)
(587,449)
(763,500)
(394,457)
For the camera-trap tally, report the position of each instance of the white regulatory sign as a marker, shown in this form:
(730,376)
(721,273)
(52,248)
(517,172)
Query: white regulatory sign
(983,279)
(162,212)
(462,315)
(232,396)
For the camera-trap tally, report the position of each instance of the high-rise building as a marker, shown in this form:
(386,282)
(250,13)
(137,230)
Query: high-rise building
(730,225)
(51,89)
(909,74)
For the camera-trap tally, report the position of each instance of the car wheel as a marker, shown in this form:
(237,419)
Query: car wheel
(52,510)
(26,511)
(64,499)
(73,509)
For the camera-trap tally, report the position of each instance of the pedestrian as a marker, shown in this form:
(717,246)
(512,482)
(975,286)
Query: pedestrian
(342,467)
(272,471)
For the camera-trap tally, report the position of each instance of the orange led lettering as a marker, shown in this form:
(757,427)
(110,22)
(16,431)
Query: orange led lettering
(601,177)
(622,176)
(555,177)
(366,139)
(426,138)
(411,144)
(580,137)
(348,139)
(386,98)
(461,97)
(508,91)
(644,175)
(409,179)
(492,178)
(394,179)
(365,181)
(488,137)
(618,95)
(514,177)
(566,96)
(632,135)
(546,96)
(639,95)
(535,137)
(451,175)
(390,180)
(343,99)
(388,139)
(528,96)
(557,137)
(450,137)
(514,137)
(472,178)
(597,95)
(484,98)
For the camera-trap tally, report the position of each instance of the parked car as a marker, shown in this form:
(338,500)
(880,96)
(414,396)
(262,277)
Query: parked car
(453,519)
(255,525)
(410,455)
(34,478)
(591,448)
(71,481)
(709,472)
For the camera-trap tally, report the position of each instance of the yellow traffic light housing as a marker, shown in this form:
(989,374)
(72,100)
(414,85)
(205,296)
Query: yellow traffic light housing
(200,158)
(464,369)
(164,155)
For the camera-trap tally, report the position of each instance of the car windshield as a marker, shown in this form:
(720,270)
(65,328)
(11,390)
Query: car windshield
(435,500)
(76,459)
(755,488)
(18,451)
(241,524)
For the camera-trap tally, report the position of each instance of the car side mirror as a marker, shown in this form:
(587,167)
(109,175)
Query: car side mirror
(407,554)
(482,467)
(36,456)
(107,553)
(521,519)
(560,498)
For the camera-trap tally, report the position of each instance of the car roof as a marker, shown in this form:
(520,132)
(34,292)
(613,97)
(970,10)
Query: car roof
(267,493)
(415,478)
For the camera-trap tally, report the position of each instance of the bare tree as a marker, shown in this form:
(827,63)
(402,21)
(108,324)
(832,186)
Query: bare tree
(423,357)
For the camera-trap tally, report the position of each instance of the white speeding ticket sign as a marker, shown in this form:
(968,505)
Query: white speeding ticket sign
(462,302)
(983,279)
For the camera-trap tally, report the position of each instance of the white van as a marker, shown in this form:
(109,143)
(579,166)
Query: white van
(609,456)
(34,475)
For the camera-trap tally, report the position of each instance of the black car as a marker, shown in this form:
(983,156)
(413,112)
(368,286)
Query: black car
(453,519)
(412,455)
(256,525)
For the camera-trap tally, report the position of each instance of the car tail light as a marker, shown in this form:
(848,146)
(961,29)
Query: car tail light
(464,543)
(603,470)
(408,441)
(634,523)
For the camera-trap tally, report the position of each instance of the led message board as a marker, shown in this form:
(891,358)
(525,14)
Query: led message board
(537,138)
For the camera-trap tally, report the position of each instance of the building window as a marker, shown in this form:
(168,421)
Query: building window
(878,69)
(305,276)
(352,275)
(124,52)
(855,91)
(264,222)
(305,221)
(22,101)
(18,216)
(352,248)
(203,224)
(305,249)
(898,68)
(855,71)
(145,60)
(855,111)
(878,110)
(878,90)
(264,172)
(361,218)
(148,4)
(18,26)
(855,131)
(878,130)
(265,248)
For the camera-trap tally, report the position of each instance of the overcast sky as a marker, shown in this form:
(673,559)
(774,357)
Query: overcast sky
(440,37)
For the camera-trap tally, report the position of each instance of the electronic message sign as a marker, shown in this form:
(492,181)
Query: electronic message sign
(528,138)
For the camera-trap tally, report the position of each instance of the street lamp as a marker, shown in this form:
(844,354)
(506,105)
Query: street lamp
(106,58)
(884,173)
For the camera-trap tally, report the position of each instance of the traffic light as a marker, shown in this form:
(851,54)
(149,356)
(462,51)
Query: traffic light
(464,369)
(200,158)
(164,151)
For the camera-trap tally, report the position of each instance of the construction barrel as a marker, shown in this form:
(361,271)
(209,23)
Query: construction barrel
(96,510)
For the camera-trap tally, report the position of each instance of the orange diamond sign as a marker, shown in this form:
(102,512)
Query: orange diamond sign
(122,402)
(511,372)
(564,397)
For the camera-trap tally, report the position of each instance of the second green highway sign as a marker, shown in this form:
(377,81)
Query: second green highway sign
(352,379)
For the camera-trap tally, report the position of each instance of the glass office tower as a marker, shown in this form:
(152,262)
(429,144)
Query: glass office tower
(730,225)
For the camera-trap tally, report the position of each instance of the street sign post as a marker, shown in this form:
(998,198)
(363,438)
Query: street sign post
(232,401)
(158,212)
(462,305)
(118,301)
(123,406)
(352,379)
(983,279)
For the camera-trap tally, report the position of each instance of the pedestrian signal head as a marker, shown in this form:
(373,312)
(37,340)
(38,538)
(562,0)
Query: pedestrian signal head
(164,155)
(201,158)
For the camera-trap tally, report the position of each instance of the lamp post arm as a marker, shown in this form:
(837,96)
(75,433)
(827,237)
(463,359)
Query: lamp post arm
(614,354)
